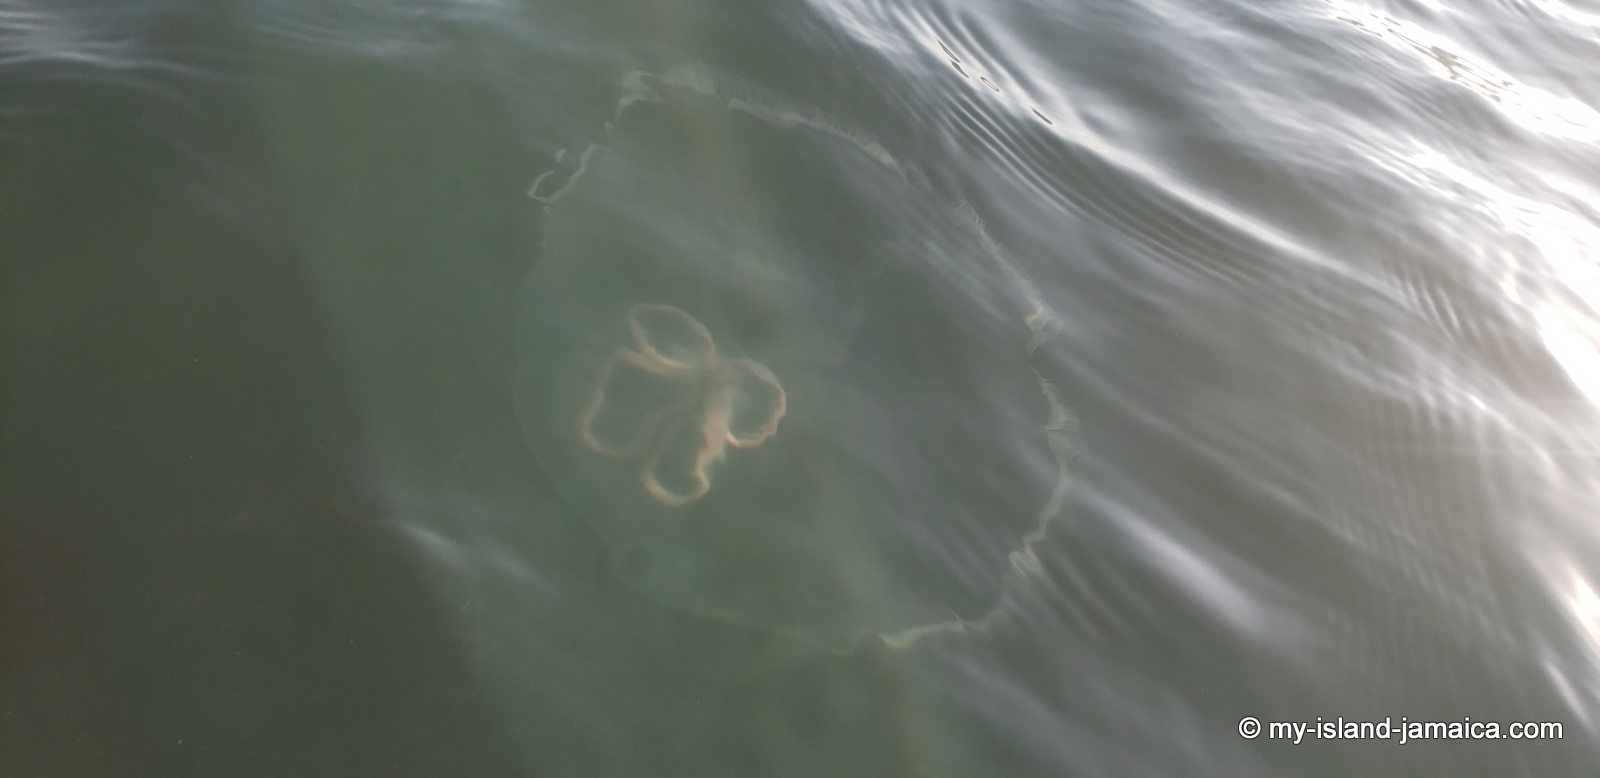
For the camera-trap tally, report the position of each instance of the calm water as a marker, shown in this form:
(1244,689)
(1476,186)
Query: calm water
(851,388)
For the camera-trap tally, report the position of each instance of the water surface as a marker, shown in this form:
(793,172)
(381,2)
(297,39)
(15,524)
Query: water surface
(1147,366)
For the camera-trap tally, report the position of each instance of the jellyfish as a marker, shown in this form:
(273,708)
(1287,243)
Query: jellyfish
(789,385)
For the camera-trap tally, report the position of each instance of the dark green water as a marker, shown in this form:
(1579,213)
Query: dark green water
(1147,367)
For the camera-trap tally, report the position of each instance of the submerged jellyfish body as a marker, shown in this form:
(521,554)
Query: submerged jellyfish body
(787,385)
(701,401)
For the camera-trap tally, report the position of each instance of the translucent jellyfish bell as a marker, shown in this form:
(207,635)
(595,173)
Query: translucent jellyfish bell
(786,384)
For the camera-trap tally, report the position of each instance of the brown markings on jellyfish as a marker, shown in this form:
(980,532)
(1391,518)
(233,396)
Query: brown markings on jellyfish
(709,399)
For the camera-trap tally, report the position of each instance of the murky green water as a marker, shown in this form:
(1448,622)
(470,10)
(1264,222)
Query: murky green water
(804,389)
